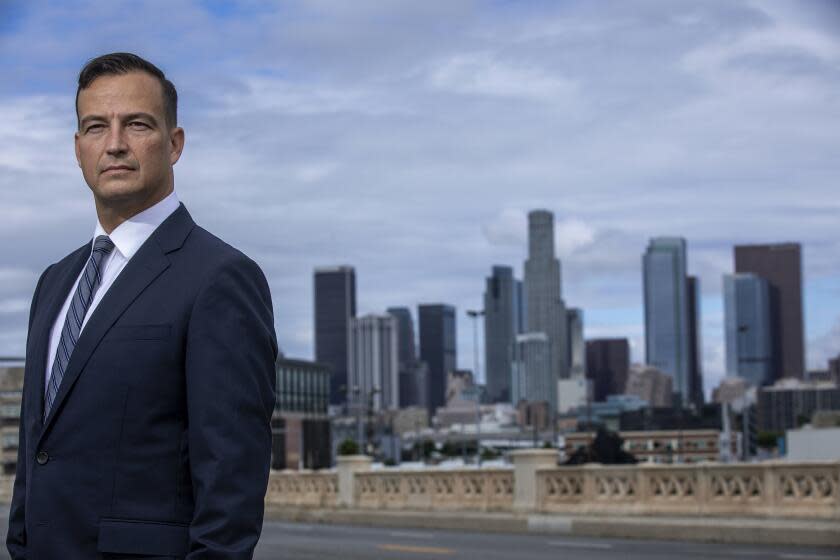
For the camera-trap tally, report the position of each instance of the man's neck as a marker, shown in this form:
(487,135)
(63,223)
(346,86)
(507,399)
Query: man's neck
(111,215)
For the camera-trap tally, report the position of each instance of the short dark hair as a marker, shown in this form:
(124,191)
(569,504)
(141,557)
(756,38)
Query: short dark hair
(123,63)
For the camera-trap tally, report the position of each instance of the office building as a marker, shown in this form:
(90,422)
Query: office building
(576,344)
(667,344)
(573,394)
(533,379)
(834,370)
(413,373)
(335,305)
(373,363)
(546,310)
(749,345)
(695,345)
(790,403)
(300,427)
(414,385)
(405,334)
(781,265)
(607,364)
(11,394)
(650,384)
(502,322)
(437,325)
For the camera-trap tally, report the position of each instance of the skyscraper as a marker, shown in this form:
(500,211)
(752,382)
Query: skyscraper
(576,343)
(413,372)
(335,305)
(437,326)
(405,334)
(781,265)
(501,325)
(607,365)
(667,344)
(533,380)
(749,344)
(373,363)
(695,345)
(546,310)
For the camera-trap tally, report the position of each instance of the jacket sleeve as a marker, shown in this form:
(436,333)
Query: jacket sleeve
(231,351)
(16,533)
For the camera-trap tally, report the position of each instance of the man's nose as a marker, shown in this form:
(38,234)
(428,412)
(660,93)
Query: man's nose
(116,143)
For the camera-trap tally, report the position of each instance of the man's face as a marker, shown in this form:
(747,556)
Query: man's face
(124,146)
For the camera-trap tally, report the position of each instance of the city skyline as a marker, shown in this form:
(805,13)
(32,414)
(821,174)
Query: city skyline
(412,149)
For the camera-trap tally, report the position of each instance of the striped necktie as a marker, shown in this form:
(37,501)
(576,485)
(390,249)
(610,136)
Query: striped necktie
(88,284)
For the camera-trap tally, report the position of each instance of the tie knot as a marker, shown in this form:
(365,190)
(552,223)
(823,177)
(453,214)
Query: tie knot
(103,244)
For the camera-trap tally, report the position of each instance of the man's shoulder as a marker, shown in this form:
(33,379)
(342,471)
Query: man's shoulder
(212,251)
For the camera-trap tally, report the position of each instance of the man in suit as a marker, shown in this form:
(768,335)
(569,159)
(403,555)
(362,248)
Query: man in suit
(149,382)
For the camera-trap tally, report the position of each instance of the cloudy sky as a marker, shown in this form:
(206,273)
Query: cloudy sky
(410,139)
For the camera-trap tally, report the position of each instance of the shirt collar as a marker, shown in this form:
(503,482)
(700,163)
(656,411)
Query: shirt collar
(132,233)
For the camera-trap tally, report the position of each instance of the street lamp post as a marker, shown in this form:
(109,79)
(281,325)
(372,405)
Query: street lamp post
(474,314)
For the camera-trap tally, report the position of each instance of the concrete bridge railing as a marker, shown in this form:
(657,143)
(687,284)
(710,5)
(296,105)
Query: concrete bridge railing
(536,485)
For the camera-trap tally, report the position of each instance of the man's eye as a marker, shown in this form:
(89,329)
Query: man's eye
(94,128)
(138,125)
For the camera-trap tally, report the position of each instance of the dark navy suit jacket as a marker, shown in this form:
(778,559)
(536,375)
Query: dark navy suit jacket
(158,442)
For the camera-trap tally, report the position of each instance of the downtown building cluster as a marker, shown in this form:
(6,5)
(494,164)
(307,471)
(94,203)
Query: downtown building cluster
(538,362)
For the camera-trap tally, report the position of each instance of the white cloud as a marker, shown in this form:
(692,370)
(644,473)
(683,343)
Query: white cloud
(483,73)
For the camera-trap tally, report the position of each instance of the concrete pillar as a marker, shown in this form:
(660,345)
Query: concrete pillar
(347,466)
(526,462)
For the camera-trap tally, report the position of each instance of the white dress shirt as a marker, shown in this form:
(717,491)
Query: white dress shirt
(127,238)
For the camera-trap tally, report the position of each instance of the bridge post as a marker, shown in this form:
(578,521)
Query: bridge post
(526,462)
(347,467)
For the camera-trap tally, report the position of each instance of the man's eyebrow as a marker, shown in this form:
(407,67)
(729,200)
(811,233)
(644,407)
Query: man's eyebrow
(128,117)
(140,115)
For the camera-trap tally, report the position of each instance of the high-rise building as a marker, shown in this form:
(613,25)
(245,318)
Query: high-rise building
(749,344)
(373,363)
(667,343)
(300,426)
(695,345)
(576,344)
(546,310)
(607,365)
(502,322)
(781,265)
(789,403)
(414,385)
(834,369)
(405,334)
(437,325)
(335,305)
(533,379)
(650,384)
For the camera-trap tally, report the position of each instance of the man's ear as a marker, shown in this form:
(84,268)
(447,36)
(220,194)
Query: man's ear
(76,146)
(176,144)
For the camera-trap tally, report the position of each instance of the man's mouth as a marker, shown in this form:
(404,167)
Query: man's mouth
(117,168)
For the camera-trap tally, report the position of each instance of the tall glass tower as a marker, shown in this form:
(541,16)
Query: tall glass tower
(437,325)
(667,331)
(501,325)
(749,342)
(546,310)
(335,305)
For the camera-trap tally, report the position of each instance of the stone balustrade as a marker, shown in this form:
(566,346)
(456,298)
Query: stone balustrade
(803,490)
(536,484)
(441,490)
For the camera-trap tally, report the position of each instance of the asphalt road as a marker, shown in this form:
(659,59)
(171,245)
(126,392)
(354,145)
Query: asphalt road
(299,541)
(293,541)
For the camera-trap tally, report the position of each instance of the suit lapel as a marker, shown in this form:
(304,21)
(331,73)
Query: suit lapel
(61,280)
(146,265)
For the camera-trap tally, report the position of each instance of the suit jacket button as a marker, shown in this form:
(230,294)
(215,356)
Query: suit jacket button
(42,457)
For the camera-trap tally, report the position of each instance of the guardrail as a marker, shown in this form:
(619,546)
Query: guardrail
(536,484)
